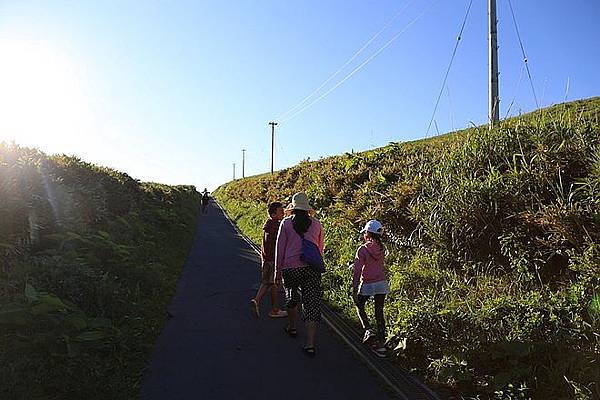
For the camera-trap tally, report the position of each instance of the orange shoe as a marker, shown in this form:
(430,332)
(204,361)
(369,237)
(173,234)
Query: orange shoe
(278,314)
(254,308)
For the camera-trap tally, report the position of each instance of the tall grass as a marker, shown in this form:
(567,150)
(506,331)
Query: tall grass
(88,261)
(494,248)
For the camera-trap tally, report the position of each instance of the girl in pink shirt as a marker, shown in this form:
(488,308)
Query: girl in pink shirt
(370,281)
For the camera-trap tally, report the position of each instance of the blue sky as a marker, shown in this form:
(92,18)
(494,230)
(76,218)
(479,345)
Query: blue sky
(173,91)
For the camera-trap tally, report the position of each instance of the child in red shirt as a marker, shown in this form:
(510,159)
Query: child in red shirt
(267,254)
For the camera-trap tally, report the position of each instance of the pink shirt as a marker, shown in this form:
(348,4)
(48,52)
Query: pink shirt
(289,244)
(368,264)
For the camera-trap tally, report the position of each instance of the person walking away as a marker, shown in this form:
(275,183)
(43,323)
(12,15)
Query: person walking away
(267,255)
(205,200)
(298,277)
(369,280)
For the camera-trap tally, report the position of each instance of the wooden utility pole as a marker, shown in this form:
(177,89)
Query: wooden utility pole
(234,171)
(243,163)
(272,143)
(494,100)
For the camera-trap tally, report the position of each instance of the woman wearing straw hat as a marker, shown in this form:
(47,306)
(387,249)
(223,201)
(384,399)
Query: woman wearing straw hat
(298,277)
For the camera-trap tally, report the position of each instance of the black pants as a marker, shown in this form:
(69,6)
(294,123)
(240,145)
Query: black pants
(361,301)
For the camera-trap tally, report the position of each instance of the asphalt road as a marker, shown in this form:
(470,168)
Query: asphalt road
(212,347)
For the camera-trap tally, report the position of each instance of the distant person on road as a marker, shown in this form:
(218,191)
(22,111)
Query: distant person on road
(267,254)
(369,280)
(299,278)
(205,200)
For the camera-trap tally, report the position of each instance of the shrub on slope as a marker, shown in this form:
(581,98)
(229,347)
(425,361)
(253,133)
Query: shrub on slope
(89,258)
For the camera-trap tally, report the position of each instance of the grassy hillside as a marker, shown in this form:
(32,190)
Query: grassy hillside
(89,258)
(494,248)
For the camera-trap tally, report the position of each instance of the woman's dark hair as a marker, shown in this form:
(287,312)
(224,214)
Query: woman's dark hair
(301,221)
(377,238)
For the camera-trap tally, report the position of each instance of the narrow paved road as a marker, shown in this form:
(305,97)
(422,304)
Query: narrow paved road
(212,348)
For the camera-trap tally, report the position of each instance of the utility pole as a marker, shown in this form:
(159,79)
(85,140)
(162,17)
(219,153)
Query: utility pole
(494,100)
(243,163)
(234,171)
(272,142)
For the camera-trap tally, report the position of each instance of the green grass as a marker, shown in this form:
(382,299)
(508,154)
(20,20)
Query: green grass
(494,248)
(89,260)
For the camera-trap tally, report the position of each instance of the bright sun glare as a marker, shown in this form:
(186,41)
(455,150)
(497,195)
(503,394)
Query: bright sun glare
(43,99)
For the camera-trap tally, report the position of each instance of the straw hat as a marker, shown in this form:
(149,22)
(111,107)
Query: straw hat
(299,202)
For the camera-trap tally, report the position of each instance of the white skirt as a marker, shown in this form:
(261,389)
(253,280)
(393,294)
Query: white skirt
(373,288)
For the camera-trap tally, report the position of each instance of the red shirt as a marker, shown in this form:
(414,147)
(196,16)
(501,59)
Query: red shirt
(270,229)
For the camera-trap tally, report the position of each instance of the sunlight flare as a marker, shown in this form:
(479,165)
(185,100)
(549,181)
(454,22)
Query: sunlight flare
(43,99)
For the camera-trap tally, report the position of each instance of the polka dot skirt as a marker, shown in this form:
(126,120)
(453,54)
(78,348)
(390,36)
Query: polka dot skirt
(303,284)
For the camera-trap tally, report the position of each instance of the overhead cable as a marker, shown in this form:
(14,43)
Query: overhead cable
(355,70)
(523,52)
(512,102)
(352,58)
(458,38)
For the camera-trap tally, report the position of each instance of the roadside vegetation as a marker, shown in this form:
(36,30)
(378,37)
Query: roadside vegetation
(494,248)
(89,258)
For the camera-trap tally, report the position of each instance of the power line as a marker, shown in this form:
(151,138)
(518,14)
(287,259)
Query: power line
(355,70)
(458,38)
(512,102)
(523,52)
(352,58)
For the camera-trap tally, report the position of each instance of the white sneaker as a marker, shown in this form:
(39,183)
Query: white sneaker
(379,350)
(369,334)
